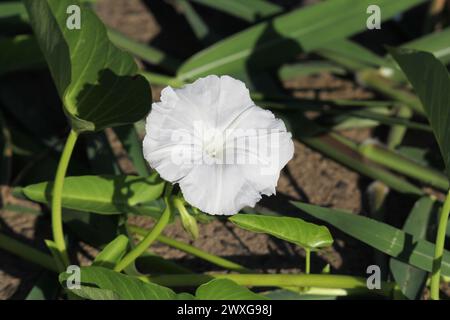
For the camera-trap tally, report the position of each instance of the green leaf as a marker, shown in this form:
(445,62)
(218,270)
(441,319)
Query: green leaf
(101,194)
(112,253)
(437,43)
(97,82)
(397,162)
(273,42)
(145,52)
(411,279)
(424,156)
(224,289)
(304,69)
(93,293)
(351,55)
(383,237)
(116,285)
(295,230)
(249,10)
(13,9)
(344,151)
(382,117)
(431,82)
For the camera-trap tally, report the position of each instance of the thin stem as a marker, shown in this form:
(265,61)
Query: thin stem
(221,262)
(151,236)
(308,261)
(397,132)
(26,252)
(374,80)
(57,224)
(397,162)
(271,280)
(439,248)
(161,79)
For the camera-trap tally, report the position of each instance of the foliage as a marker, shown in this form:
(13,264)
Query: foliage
(55,79)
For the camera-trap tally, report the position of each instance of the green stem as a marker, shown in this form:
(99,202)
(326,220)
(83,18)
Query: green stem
(308,261)
(221,262)
(270,280)
(347,153)
(161,79)
(397,132)
(151,235)
(373,79)
(439,248)
(397,162)
(57,224)
(26,252)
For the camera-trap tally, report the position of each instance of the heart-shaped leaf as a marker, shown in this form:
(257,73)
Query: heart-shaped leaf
(431,82)
(99,283)
(97,82)
(101,194)
(105,284)
(306,235)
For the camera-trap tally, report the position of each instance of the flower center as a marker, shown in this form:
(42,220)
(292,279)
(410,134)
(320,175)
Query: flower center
(213,144)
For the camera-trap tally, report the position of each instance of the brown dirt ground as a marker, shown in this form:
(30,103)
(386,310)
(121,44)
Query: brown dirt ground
(309,176)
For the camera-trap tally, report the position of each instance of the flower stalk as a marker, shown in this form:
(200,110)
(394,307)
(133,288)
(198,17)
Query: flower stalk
(151,236)
(56,205)
(439,248)
(308,261)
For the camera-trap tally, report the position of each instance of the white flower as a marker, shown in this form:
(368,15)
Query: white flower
(222,149)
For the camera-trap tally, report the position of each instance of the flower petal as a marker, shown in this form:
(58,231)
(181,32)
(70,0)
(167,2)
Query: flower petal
(256,142)
(218,189)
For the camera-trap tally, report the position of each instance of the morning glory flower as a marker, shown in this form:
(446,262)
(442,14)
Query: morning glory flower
(223,150)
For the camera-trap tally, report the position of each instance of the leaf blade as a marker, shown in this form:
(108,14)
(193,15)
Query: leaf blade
(97,82)
(117,285)
(302,233)
(224,289)
(386,238)
(103,194)
(270,43)
(431,82)
(409,278)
